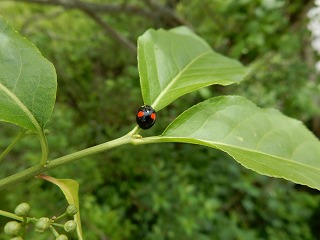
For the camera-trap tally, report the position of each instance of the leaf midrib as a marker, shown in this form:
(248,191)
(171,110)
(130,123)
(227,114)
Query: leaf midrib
(23,107)
(217,144)
(175,79)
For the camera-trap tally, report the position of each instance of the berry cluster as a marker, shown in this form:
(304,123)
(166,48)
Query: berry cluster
(17,229)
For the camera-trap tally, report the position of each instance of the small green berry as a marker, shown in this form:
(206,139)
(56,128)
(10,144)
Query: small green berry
(12,228)
(70,226)
(72,210)
(22,209)
(16,238)
(62,237)
(42,224)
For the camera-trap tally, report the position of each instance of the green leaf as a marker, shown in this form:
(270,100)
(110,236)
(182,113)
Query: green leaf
(173,63)
(70,189)
(263,140)
(27,82)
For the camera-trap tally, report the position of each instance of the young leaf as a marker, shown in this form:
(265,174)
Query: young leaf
(173,63)
(70,189)
(263,140)
(27,81)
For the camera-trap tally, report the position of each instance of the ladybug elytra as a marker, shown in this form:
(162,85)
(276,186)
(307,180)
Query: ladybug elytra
(146,117)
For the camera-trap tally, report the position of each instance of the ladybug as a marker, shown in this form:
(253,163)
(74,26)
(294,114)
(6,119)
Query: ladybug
(146,117)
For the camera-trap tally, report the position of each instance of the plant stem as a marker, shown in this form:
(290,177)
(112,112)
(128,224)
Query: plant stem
(54,231)
(88,151)
(39,168)
(10,215)
(61,216)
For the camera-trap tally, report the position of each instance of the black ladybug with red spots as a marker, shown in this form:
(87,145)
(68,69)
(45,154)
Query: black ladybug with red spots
(146,117)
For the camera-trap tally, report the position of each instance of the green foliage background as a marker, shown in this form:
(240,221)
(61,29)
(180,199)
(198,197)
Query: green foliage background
(168,191)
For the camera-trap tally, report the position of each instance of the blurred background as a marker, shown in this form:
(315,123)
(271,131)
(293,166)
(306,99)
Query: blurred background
(169,191)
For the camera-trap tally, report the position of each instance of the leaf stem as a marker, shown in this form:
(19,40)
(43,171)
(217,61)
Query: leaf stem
(20,135)
(134,131)
(44,148)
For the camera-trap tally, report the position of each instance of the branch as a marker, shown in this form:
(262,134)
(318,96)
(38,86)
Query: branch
(166,14)
(38,17)
(153,11)
(39,169)
(112,32)
(98,8)
(91,10)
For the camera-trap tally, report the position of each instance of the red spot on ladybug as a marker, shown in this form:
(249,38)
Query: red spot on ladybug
(140,114)
(146,117)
